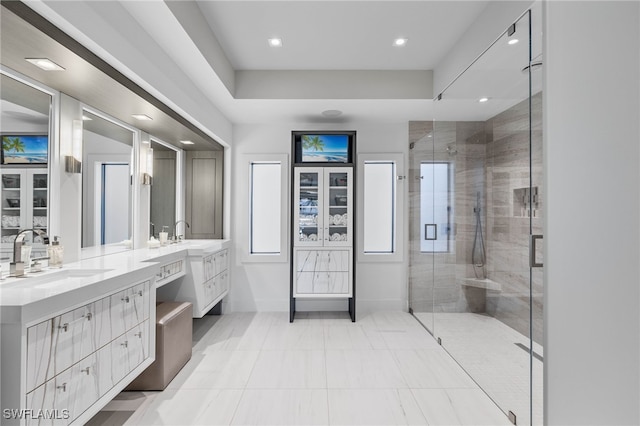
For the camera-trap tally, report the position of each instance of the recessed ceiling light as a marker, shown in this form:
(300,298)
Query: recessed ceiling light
(513,41)
(141,117)
(332,113)
(85,118)
(482,100)
(399,42)
(45,64)
(186,142)
(275,42)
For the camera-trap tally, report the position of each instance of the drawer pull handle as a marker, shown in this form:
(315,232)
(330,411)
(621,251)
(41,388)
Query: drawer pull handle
(139,334)
(86,370)
(64,327)
(140,293)
(63,387)
(125,344)
(89,316)
(125,299)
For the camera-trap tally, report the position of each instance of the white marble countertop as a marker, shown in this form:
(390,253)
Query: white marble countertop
(26,299)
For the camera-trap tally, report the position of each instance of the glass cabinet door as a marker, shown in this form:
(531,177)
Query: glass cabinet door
(338,217)
(308,217)
(12,205)
(39,185)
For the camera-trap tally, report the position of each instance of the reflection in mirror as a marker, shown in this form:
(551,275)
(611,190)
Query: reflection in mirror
(24,195)
(163,190)
(106,175)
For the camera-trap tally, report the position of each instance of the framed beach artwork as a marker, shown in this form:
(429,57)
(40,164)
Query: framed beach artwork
(24,149)
(323,147)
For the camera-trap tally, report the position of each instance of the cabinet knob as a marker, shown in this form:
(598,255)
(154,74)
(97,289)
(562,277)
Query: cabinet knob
(64,327)
(86,370)
(63,387)
(125,299)
(89,316)
(139,334)
(125,344)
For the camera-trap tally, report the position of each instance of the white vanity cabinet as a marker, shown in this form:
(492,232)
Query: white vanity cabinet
(323,232)
(75,358)
(205,284)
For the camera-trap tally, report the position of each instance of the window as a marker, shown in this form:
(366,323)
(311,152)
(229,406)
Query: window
(380,195)
(435,207)
(379,206)
(266,193)
(267,208)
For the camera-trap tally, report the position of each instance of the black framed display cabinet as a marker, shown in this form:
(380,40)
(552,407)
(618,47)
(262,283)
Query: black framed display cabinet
(323,231)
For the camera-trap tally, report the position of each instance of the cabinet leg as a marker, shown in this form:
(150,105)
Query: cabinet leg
(292,309)
(352,308)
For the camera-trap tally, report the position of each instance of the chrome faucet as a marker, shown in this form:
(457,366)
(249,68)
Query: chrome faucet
(177,237)
(16,268)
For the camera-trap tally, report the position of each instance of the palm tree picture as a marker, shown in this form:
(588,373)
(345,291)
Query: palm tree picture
(312,143)
(12,144)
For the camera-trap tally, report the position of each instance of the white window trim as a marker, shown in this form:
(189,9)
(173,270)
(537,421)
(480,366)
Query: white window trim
(245,228)
(401,188)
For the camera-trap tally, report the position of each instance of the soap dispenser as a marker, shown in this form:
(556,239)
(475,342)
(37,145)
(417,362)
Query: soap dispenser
(56,252)
(164,235)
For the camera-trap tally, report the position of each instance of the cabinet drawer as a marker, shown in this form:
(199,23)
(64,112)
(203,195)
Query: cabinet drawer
(54,397)
(208,267)
(322,283)
(83,385)
(322,260)
(56,344)
(129,307)
(221,261)
(222,283)
(127,352)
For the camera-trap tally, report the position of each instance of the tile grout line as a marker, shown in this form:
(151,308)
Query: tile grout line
(235,412)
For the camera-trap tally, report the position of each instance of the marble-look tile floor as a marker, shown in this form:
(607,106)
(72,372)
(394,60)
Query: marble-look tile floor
(259,369)
(488,350)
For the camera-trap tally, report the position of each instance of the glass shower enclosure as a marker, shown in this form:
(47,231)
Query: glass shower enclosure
(476,219)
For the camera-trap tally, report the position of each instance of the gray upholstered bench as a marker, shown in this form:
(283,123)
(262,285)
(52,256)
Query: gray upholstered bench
(173,346)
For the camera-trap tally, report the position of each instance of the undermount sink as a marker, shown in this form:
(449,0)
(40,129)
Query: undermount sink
(48,276)
(85,272)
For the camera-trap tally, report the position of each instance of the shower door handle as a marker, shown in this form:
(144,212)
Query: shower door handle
(532,251)
(426,231)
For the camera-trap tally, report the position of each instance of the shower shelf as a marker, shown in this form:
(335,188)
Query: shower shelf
(485,283)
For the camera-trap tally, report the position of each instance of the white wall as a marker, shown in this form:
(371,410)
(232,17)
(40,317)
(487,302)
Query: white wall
(592,241)
(265,286)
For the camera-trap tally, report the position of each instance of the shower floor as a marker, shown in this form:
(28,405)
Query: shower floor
(495,356)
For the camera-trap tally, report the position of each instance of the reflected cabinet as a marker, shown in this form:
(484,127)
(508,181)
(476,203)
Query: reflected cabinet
(323,232)
(24,198)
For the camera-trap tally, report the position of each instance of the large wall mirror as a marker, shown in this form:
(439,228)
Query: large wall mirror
(164,210)
(114,104)
(25,122)
(106,181)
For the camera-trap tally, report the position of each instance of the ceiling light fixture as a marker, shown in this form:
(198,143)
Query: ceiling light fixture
(332,113)
(141,117)
(275,42)
(399,42)
(45,64)
(187,142)
(513,41)
(482,100)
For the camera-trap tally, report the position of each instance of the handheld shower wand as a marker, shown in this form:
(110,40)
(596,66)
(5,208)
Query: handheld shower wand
(478,254)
